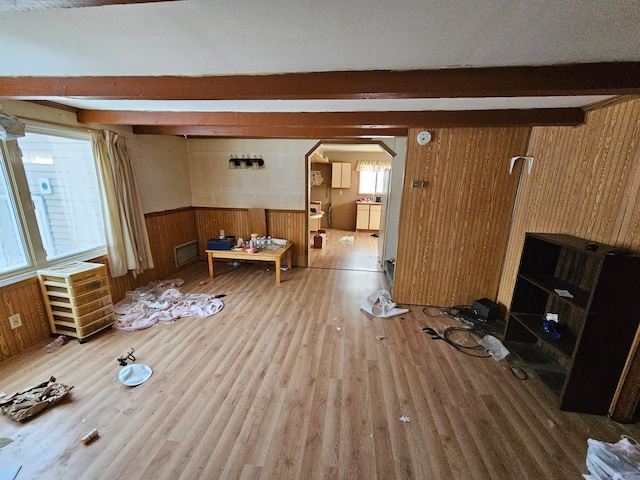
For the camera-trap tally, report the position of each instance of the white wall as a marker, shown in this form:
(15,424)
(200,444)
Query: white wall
(280,184)
(161,168)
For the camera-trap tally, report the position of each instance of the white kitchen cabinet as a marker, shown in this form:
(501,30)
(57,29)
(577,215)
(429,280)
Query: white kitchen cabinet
(374,216)
(341,175)
(368,216)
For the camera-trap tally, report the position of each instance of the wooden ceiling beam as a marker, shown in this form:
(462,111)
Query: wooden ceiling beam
(243,131)
(373,119)
(612,78)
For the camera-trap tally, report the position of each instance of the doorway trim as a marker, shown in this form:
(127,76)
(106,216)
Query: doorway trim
(346,142)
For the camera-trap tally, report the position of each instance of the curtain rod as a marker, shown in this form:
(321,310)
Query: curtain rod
(57,124)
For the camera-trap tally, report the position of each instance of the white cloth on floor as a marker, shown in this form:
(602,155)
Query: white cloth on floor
(379,304)
(166,308)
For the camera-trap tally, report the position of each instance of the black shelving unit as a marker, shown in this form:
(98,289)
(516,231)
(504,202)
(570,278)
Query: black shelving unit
(597,323)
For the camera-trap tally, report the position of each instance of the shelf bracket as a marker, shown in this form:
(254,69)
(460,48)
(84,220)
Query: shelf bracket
(514,159)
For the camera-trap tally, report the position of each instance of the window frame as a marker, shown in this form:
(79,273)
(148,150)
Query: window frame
(20,197)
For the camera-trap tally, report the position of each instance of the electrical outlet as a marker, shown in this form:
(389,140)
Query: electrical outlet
(15,321)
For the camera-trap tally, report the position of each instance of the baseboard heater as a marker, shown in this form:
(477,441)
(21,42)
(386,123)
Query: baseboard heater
(186,253)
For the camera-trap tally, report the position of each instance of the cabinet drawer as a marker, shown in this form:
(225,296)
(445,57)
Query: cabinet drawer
(65,300)
(71,279)
(63,318)
(85,331)
(67,309)
(77,291)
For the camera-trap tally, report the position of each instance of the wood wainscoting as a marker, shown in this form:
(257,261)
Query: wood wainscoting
(287,224)
(166,231)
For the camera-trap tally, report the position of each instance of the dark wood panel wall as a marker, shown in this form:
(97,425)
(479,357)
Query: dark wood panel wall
(585,182)
(166,231)
(287,224)
(453,231)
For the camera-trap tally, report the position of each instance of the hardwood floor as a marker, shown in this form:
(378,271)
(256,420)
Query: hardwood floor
(290,381)
(347,250)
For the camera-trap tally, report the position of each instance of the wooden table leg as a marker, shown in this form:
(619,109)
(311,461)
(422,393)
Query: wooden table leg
(278,270)
(289,255)
(211,273)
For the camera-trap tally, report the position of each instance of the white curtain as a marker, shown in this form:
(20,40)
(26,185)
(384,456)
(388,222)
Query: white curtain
(126,234)
(373,165)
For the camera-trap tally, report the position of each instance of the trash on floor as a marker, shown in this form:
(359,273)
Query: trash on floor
(57,342)
(379,304)
(613,460)
(381,337)
(89,437)
(4,441)
(404,419)
(162,302)
(347,239)
(494,347)
(127,356)
(134,374)
(33,400)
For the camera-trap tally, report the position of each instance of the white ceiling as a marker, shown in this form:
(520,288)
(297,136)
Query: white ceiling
(229,37)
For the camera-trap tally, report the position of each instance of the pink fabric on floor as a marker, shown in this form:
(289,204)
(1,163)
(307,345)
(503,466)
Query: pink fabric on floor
(158,303)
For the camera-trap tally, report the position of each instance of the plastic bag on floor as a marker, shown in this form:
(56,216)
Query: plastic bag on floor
(379,304)
(494,347)
(613,461)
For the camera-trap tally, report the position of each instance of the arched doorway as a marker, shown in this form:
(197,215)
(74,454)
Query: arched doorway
(336,202)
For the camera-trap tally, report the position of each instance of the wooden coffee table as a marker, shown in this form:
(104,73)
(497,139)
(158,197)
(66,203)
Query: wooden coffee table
(261,256)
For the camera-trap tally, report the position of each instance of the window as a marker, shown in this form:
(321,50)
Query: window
(371,182)
(55,169)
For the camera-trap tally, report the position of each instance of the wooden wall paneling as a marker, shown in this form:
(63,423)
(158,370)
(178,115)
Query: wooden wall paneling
(454,230)
(166,231)
(585,182)
(24,298)
(258,221)
(291,225)
(209,222)
(287,224)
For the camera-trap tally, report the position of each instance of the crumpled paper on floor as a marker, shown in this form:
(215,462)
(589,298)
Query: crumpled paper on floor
(379,304)
(29,402)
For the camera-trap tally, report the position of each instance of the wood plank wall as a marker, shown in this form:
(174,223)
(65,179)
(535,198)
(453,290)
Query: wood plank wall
(585,182)
(287,224)
(166,231)
(453,232)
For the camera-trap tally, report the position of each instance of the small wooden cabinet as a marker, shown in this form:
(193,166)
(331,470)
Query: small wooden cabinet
(368,216)
(77,298)
(341,175)
(593,289)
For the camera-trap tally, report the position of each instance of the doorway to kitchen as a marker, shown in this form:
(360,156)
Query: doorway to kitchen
(338,237)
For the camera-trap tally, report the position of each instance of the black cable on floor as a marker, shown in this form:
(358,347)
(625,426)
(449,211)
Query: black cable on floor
(515,369)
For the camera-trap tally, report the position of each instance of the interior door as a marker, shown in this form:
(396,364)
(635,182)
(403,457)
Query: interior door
(454,227)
